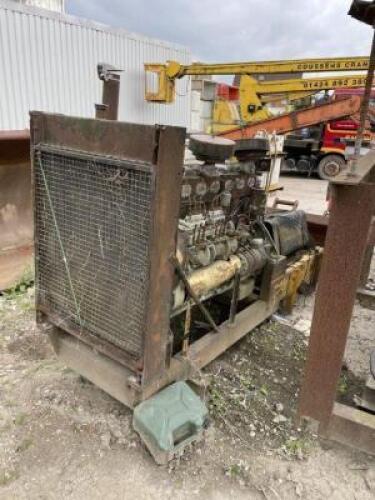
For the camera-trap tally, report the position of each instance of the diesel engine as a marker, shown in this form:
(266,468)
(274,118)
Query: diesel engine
(148,267)
(227,242)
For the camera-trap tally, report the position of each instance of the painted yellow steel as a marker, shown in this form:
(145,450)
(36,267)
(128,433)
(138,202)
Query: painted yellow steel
(169,72)
(305,270)
(311,84)
(165,88)
(251,91)
(225,116)
(176,70)
(290,96)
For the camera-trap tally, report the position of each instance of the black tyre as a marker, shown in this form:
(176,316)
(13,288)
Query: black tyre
(330,166)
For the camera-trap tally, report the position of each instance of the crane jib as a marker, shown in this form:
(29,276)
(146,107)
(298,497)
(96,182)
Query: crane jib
(334,65)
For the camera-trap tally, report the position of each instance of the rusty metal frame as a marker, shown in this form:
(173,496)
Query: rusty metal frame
(162,149)
(118,381)
(349,223)
(169,169)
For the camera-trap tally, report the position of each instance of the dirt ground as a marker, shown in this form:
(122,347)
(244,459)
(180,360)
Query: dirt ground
(61,437)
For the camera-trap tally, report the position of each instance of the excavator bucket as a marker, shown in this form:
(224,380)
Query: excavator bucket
(16,221)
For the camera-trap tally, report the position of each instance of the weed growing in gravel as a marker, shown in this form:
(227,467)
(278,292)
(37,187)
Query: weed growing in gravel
(7,477)
(343,385)
(298,448)
(217,401)
(20,419)
(233,470)
(19,288)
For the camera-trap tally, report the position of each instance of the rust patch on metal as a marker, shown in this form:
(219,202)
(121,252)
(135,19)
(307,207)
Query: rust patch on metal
(349,223)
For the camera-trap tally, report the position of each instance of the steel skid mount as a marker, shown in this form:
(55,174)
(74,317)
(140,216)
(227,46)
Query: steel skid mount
(148,268)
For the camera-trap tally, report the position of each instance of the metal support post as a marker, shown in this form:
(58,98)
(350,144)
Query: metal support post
(352,210)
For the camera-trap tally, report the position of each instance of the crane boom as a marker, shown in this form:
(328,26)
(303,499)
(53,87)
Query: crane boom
(298,119)
(177,70)
(168,73)
(309,84)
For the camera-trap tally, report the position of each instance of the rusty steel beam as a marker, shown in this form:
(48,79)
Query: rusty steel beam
(298,119)
(111,376)
(349,223)
(166,209)
(108,109)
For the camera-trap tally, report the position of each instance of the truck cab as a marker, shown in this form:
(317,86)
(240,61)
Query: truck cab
(325,148)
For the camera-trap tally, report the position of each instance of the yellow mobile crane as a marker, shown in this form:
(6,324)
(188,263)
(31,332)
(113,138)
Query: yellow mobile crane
(172,70)
(255,93)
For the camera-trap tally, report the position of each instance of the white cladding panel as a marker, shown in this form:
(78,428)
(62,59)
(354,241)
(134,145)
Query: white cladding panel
(56,5)
(48,63)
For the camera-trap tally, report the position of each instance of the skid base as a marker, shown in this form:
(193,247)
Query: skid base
(123,384)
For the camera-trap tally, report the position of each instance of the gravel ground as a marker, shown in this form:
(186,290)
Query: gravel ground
(61,437)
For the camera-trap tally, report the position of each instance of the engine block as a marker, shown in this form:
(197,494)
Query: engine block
(224,229)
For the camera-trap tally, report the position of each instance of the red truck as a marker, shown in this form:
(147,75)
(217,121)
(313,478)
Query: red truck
(321,148)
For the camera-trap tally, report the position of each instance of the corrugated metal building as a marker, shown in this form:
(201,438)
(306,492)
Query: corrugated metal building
(48,62)
(56,5)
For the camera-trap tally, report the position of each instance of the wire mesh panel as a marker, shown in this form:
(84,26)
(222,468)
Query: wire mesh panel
(93,225)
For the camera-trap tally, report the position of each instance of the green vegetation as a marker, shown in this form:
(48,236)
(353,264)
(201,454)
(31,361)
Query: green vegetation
(343,385)
(19,288)
(7,477)
(217,401)
(20,419)
(234,470)
(264,390)
(298,447)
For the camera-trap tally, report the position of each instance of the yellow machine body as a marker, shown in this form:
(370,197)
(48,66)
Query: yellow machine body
(252,92)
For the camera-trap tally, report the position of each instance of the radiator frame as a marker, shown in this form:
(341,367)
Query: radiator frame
(162,147)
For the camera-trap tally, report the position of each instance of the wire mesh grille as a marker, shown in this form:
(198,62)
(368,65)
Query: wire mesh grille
(93,223)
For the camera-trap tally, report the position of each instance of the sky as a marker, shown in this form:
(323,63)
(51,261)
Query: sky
(238,30)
